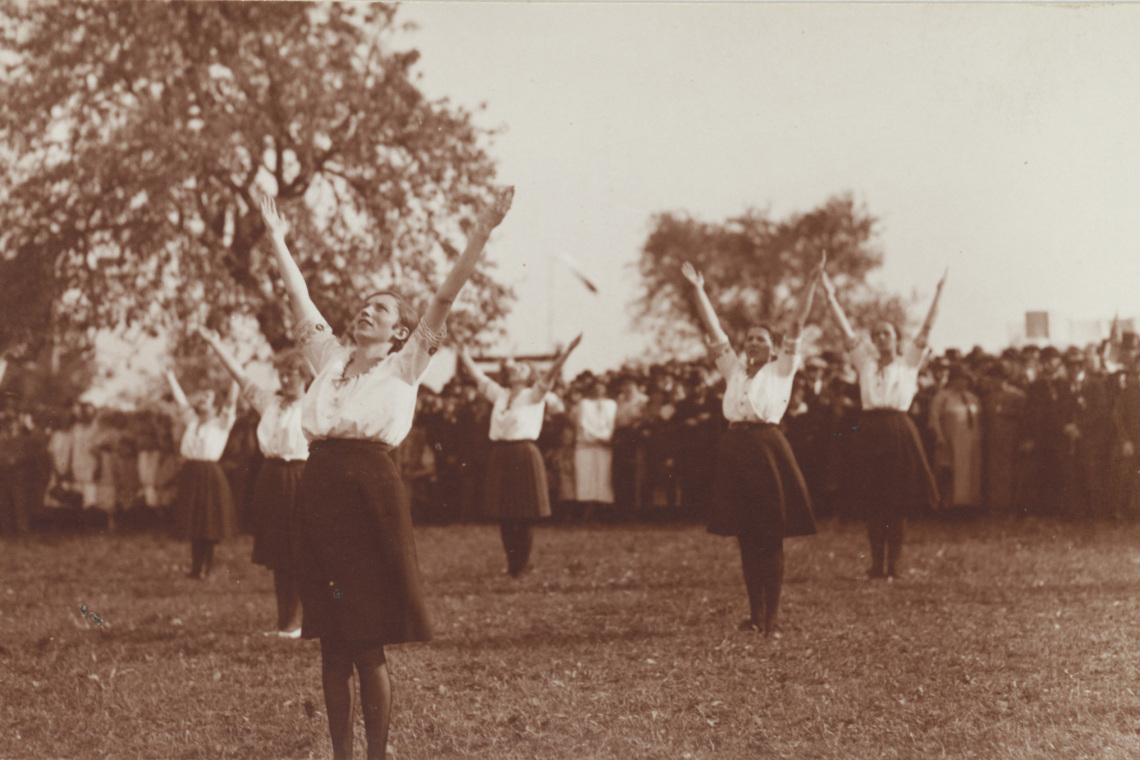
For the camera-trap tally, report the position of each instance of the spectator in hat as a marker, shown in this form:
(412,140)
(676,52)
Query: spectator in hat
(1092,419)
(1048,438)
(1003,405)
(956,420)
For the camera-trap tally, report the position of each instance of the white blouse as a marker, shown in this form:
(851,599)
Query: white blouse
(378,405)
(279,433)
(205,442)
(893,386)
(596,418)
(763,397)
(522,419)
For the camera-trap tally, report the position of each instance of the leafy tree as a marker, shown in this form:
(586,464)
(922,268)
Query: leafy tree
(755,268)
(139,133)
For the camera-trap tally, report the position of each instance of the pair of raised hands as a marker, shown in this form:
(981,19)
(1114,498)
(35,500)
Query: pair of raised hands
(489,219)
(698,280)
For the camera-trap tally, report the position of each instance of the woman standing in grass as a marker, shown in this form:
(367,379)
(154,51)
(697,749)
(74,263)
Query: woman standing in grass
(358,575)
(760,495)
(273,515)
(890,475)
(517,492)
(205,509)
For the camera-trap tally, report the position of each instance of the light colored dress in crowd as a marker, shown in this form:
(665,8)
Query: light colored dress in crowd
(594,421)
(956,418)
(158,477)
(85,461)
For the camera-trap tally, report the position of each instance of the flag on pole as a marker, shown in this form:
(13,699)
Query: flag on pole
(576,269)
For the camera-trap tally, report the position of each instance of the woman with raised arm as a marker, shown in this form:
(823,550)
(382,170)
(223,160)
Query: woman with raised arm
(890,474)
(273,514)
(516,492)
(204,514)
(358,576)
(759,492)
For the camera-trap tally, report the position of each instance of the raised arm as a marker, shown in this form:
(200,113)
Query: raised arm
(176,390)
(797,328)
(481,380)
(441,302)
(837,310)
(928,323)
(547,382)
(704,305)
(302,305)
(229,411)
(236,371)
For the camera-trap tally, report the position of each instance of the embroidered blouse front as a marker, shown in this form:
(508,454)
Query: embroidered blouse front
(893,386)
(279,433)
(764,397)
(377,405)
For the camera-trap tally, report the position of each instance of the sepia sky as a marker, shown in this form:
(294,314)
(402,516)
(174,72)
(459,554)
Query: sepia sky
(1000,140)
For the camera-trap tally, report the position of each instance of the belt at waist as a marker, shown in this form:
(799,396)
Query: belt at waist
(746,424)
(332,445)
(883,411)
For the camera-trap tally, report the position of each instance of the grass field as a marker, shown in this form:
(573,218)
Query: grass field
(1002,640)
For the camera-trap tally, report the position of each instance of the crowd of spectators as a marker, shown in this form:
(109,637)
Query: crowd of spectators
(1032,431)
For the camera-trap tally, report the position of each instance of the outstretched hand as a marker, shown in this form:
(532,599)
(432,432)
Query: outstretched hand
(207,334)
(828,285)
(494,214)
(573,344)
(692,275)
(274,222)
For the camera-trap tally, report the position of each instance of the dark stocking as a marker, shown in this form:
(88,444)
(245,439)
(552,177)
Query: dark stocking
(208,556)
(886,536)
(894,545)
(517,540)
(375,697)
(336,679)
(762,560)
(288,602)
(197,556)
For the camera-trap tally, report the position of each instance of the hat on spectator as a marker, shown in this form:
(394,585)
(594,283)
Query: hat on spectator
(1074,355)
(1011,354)
(1050,352)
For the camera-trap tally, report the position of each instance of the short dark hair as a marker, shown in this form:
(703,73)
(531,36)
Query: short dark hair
(407,313)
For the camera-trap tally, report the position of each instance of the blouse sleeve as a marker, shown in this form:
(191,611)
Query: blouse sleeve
(316,340)
(789,359)
(913,355)
(416,354)
(259,398)
(862,353)
(726,359)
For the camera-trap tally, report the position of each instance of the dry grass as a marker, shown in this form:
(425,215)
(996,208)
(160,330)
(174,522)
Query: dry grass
(1004,640)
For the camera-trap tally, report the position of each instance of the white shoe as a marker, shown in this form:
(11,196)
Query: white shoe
(293,634)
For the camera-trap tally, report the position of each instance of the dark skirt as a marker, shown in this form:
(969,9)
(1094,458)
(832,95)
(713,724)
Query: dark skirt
(357,572)
(758,488)
(516,482)
(273,514)
(205,507)
(889,473)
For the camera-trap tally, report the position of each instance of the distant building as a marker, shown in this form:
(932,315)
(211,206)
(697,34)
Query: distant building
(1052,328)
